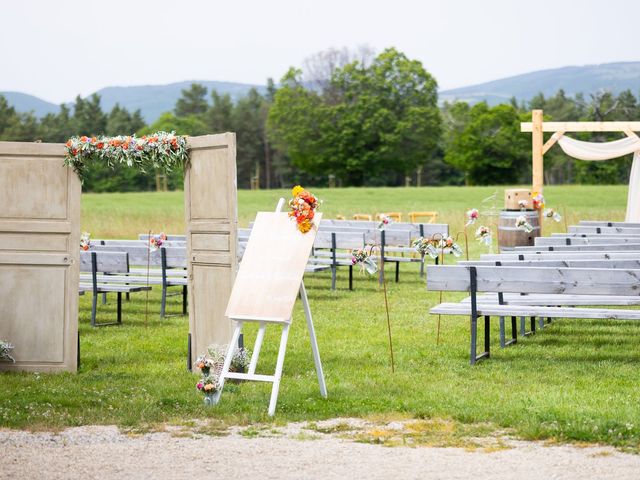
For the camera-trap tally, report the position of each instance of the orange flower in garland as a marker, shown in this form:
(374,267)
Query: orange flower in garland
(303,206)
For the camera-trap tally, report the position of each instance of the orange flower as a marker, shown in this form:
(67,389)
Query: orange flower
(68,144)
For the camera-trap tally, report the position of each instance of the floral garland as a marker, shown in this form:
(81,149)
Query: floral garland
(160,150)
(303,207)
(5,351)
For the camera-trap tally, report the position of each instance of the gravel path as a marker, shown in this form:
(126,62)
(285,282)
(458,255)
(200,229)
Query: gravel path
(290,452)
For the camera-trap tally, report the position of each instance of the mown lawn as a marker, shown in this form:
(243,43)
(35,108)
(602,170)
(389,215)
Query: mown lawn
(576,380)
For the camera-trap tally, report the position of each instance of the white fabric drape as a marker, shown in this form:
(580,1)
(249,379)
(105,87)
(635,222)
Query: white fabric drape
(606,151)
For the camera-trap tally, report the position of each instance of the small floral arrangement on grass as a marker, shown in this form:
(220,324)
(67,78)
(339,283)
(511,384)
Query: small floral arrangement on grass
(384,221)
(160,150)
(156,241)
(303,207)
(522,224)
(552,214)
(362,257)
(523,204)
(425,246)
(538,201)
(5,351)
(240,361)
(85,241)
(472,216)
(483,235)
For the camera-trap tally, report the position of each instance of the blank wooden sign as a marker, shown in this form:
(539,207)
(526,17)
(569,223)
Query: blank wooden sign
(272,268)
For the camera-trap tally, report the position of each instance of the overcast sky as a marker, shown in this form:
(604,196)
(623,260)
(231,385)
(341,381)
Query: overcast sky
(57,49)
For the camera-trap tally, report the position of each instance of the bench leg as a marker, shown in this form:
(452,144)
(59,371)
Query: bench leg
(163,302)
(127,296)
(548,319)
(119,307)
(474,357)
(184,299)
(397,272)
(333,277)
(474,338)
(533,324)
(104,298)
(94,308)
(540,323)
(350,277)
(514,331)
(487,335)
(523,327)
(502,339)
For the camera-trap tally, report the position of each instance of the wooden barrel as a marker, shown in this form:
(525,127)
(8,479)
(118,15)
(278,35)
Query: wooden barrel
(510,236)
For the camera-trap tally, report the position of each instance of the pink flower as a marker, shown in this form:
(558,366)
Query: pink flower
(199,386)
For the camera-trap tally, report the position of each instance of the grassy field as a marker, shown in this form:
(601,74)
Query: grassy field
(575,381)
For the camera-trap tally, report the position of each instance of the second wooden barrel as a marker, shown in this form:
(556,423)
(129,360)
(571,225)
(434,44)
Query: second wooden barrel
(510,236)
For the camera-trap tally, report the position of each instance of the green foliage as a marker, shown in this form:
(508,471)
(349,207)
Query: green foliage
(490,149)
(193,101)
(369,124)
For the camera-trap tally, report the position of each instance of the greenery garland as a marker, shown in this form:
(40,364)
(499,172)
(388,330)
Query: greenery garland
(160,150)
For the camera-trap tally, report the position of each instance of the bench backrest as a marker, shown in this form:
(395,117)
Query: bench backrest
(633,264)
(343,240)
(580,248)
(106,262)
(545,241)
(609,230)
(576,281)
(176,257)
(556,255)
(170,238)
(602,223)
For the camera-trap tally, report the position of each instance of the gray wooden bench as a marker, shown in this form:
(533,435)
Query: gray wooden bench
(503,280)
(169,269)
(112,263)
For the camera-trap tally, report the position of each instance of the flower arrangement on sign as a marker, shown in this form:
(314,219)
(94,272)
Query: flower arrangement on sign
(523,224)
(5,351)
(384,221)
(303,206)
(156,241)
(483,235)
(160,150)
(552,214)
(362,257)
(472,216)
(85,241)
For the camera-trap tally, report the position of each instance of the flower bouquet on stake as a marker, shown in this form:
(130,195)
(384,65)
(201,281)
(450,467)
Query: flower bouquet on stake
(425,246)
(85,241)
(472,216)
(5,351)
(156,241)
(522,224)
(552,214)
(384,221)
(483,235)
(302,207)
(362,257)
(449,244)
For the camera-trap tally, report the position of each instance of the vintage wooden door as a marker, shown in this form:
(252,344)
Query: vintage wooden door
(211,220)
(39,255)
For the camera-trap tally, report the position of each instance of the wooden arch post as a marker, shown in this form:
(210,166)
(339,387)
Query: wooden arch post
(539,147)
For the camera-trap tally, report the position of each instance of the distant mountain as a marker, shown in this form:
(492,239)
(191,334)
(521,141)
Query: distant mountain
(23,102)
(153,100)
(586,79)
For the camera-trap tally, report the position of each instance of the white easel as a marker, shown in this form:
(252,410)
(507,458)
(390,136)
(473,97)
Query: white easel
(282,319)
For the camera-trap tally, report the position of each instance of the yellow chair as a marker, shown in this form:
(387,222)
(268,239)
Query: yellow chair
(395,216)
(363,216)
(432,216)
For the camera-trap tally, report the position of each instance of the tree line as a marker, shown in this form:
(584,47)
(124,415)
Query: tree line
(348,118)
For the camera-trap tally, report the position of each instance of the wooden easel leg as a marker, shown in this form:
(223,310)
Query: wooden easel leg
(278,375)
(256,349)
(227,359)
(314,342)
